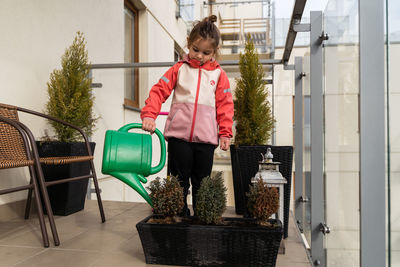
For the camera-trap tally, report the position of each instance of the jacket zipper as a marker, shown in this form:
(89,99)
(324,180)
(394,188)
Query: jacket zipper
(195,106)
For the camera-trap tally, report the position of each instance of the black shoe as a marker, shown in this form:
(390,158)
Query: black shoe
(184,213)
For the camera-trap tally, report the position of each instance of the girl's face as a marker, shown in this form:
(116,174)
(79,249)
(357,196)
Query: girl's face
(202,50)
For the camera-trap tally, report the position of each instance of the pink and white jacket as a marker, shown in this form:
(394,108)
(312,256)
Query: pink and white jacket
(202,105)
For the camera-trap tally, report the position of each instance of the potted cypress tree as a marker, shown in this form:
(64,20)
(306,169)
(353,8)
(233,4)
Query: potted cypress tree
(254,123)
(211,200)
(70,99)
(253,114)
(209,239)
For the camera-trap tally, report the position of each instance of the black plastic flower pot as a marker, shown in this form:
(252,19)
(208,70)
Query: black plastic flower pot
(66,198)
(244,160)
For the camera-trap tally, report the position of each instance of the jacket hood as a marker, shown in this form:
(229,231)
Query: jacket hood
(194,63)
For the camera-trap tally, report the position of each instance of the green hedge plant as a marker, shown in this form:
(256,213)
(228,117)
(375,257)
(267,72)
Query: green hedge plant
(70,95)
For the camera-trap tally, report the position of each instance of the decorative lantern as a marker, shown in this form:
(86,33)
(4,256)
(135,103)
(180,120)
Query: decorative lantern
(269,172)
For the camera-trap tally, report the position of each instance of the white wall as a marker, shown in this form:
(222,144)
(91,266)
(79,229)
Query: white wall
(35,34)
(164,12)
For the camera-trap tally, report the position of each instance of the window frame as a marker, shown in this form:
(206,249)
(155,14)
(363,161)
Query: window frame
(130,102)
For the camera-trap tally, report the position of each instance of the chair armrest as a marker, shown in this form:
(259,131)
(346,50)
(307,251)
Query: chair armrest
(59,121)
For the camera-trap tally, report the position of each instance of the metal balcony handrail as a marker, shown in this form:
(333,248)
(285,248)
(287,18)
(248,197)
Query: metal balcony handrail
(169,64)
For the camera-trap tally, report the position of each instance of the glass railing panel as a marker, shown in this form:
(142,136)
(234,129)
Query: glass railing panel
(393,131)
(341,133)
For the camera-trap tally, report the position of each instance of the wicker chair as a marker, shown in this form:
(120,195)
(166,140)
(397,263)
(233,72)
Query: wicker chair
(18,149)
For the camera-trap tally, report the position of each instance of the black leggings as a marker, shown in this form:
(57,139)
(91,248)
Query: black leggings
(190,160)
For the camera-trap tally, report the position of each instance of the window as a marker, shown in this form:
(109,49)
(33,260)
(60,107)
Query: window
(131,55)
(186,9)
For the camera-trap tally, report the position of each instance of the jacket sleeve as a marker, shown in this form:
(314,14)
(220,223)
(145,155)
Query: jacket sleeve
(224,106)
(160,92)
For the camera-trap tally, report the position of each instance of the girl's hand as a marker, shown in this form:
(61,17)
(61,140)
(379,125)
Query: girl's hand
(224,143)
(149,125)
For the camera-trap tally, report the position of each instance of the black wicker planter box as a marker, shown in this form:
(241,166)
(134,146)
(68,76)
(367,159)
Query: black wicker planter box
(65,198)
(239,243)
(245,160)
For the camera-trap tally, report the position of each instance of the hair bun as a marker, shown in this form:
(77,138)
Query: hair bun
(212,18)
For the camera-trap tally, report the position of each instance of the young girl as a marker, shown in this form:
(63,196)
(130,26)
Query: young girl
(201,110)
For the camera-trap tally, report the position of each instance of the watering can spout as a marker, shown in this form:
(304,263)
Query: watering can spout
(134,181)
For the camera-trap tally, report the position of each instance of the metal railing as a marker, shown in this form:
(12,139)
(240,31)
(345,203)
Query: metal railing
(171,63)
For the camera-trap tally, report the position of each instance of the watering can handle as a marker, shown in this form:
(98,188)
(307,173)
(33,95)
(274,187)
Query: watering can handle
(157,168)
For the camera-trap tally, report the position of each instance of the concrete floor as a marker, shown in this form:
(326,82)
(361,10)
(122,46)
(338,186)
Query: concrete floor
(85,241)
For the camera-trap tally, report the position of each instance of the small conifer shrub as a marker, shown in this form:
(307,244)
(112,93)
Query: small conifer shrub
(70,95)
(211,199)
(167,196)
(253,115)
(263,201)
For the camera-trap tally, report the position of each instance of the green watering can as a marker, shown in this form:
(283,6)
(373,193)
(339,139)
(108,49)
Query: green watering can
(127,157)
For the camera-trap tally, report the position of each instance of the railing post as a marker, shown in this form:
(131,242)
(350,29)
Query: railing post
(298,137)
(317,150)
(372,134)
